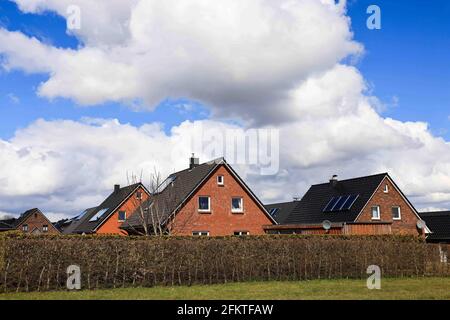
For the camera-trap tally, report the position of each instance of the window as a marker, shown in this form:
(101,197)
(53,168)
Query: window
(396,214)
(122,215)
(165,184)
(98,215)
(376,213)
(237,204)
(386,189)
(220,180)
(204,204)
(139,195)
(25,228)
(45,228)
(200,233)
(241,233)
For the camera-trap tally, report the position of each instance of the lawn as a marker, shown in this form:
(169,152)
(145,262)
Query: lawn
(410,288)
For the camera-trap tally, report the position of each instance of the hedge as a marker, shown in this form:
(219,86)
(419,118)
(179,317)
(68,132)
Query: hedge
(39,263)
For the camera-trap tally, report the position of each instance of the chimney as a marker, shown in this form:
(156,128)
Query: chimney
(334,180)
(116,188)
(193,162)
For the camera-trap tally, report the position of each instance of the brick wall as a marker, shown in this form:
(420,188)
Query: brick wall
(407,224)
(35,222)
(220,221)
(112,225)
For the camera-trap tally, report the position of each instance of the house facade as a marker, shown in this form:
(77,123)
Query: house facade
(32,222)
(361,206)
(108,217)
(208,199)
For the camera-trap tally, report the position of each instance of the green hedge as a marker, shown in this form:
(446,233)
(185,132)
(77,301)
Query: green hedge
(38,263)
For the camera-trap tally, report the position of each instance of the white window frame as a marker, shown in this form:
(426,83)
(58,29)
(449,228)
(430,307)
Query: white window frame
(200,233)
(25,228)
(220,183)
(241,233)
(386,188)
(209,204)
(45,228)
(378,211)
(241,209)
(399,213)
(118,216)
(138,195)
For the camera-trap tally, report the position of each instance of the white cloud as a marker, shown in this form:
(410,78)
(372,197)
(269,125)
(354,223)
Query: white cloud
(270,63)
(239,57)
(13,98)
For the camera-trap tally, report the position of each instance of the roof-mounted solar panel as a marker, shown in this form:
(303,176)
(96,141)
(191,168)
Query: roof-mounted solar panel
(330,205)
(340,203)
(350,202)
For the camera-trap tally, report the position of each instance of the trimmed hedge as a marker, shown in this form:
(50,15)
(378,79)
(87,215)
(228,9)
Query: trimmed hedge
(39,263)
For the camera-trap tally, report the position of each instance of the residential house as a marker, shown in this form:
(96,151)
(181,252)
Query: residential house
(208,199)
(32,221)
(110,214)
(366,205)
(439,224)
(281,211)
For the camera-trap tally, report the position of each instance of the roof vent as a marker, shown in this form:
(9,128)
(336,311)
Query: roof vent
(116,188)
(334,180)
(193,162)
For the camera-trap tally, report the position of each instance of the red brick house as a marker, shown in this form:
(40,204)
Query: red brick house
(110,214)
(365,205)
(208,199)
(32,221)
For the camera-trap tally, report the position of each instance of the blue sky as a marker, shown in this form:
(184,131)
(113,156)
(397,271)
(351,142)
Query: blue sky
(406,60)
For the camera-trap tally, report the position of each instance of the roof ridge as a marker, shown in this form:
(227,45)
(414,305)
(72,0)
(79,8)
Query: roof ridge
(210,162)
(285,202)
(356,178)
(443,213)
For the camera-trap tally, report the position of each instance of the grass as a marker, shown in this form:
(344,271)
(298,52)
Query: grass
(405,288)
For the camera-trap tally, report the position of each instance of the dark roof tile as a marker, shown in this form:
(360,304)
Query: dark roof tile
(439,224)
(310,209)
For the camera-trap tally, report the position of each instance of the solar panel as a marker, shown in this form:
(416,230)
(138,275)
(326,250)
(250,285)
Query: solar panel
(97,216)
(350,201)
(331,204)
(340,203)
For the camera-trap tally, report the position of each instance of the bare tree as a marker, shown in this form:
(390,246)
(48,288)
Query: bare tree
(156,213)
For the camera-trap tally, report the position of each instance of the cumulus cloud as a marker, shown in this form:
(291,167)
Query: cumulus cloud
(274,64)
(239,57)
(64,166)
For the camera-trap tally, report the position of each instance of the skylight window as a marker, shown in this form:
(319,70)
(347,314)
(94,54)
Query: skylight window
(98,215)
(340,203)
(273,212)
(81,215)
(165,184)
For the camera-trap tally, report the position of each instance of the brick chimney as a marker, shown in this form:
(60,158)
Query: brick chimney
(334,180)
(193,162)
(116,188)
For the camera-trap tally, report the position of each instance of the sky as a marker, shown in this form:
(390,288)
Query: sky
(82,108)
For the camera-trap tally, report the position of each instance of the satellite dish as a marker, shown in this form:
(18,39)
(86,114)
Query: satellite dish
(421,224)
(326,225)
